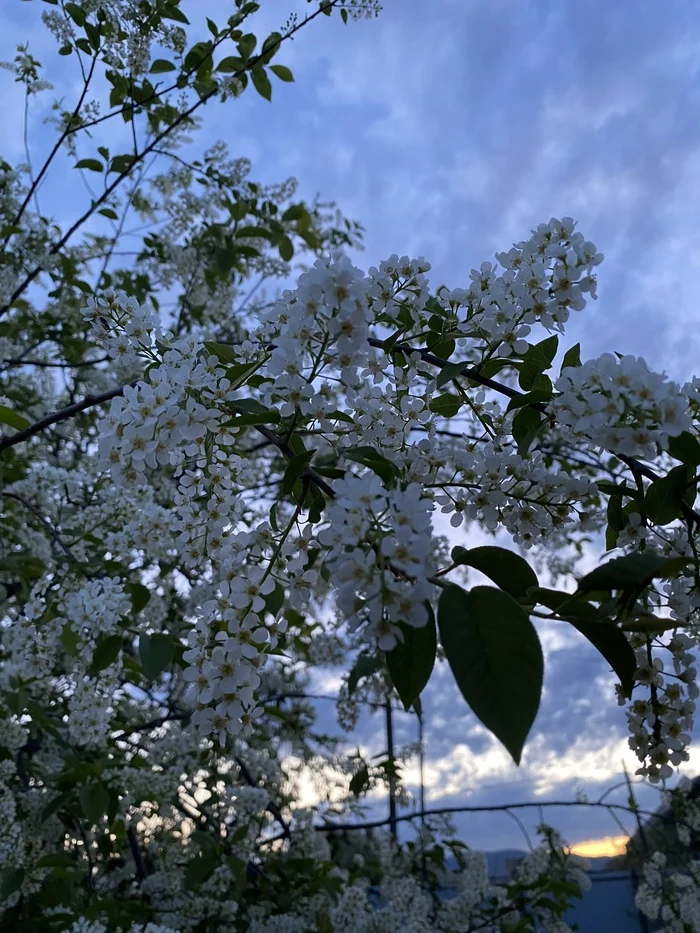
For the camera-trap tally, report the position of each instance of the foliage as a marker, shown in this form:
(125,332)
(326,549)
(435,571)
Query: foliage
(259,498)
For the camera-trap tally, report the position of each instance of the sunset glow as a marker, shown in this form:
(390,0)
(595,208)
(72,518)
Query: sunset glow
(599,848)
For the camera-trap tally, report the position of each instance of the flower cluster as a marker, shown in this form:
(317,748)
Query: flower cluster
(386,581)
(670,897)
(621,405)
(661,724)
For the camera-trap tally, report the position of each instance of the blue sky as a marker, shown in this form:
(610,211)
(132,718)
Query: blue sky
(449,129)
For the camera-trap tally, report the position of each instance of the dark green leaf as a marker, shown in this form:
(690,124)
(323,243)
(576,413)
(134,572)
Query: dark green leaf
(568,606)
(537,359)
(286,249)
(365,665)
(274,600)
(614,647)
(613,489)
(616,520)
(160,66)
(685,448)
(10,881)
(282,72)
(295,468)
(370,458)
(106,651)
(139,595)
(224,352)
(57,860)
(267,416)
(663,498)
(261,83)
(507,569)
(12,418)
(631,571)
(69,640)
(230,65)
(359,781)
(529,398)
(199,869)
(496,658)
(446,406)
(411,662)
(527,424)
(449,372)
(156,651)
(252,232)
(94,801)
(572,357)
(94,165)
(174,12)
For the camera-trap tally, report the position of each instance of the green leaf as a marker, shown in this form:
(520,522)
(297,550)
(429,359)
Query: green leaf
(261,82)
(121,163)
(108,212)
(537,397)
(614,647)
(10,881)
(613,489)
(174,12)
(446,406)
(106,652)
(616,520)
(526,426)
(93,165)
(270,46)
(507,569)
(365,665)
(160,66)
(568,606)
(411,662)
(538,358)
(448,373)
(230,65)
(359,781)
(253,232)
(631,571)
(267,416)
(274,600)
(224,352)
(139,594)
(572,357)
(239,374)
(199,869)
(685,448)
(197,56)
(295,468)
(282,72)
(286,249)
(663,498)
(94,801)
(58,860)
(69,640)
(496,658)
(156,652)
(370,458)
(12,418)
(246,45)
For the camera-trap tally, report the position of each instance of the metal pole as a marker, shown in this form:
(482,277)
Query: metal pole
(392,779)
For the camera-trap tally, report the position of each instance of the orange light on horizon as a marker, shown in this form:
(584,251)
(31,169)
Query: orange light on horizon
(600,848)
